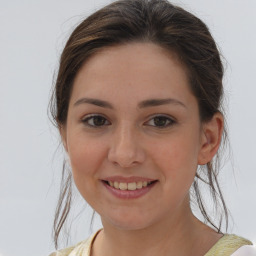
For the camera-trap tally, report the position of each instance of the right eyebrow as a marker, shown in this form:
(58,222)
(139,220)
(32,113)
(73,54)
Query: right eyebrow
(96,102)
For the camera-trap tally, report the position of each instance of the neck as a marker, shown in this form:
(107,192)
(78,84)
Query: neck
(180,235)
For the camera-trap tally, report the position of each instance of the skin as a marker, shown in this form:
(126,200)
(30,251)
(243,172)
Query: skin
(127,140)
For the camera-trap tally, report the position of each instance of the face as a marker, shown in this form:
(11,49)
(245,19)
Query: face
(133,135)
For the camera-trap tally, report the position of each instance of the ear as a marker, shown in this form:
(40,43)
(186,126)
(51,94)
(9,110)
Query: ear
(211,138)
(63,134)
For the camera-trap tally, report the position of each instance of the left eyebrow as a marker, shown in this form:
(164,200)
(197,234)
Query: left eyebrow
(159,102)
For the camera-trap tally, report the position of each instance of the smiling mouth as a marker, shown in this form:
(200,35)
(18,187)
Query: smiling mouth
(129,186)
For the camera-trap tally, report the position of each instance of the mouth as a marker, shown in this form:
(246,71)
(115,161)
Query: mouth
(131,186)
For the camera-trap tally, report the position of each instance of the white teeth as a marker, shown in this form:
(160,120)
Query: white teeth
(144,184)
(128,186)
(116,184)
(139,184)
(123,186)
(132,186)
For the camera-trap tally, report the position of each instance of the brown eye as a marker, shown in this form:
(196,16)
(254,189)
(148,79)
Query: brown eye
(95,121)
(161,121)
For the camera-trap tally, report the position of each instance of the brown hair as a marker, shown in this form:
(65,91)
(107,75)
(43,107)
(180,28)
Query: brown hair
(170,27)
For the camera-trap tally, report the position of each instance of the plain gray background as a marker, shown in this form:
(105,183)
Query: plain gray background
(32,35)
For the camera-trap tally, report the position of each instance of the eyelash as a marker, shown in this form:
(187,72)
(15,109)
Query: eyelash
(170,121)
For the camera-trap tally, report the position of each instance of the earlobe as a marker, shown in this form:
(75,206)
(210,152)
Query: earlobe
(63,134)
(62,131)
(211,138)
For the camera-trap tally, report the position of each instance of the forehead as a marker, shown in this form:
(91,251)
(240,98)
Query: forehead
(136,70)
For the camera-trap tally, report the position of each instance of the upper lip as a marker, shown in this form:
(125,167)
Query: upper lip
(127,179)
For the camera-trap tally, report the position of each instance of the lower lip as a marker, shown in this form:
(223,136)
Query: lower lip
(129,194)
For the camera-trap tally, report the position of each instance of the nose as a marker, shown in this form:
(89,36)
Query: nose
(126,149)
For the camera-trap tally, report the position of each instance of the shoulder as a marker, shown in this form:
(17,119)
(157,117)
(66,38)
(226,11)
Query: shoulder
(81,249)
(228,245)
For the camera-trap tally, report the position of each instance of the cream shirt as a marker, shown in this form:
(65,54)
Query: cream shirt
(228,245)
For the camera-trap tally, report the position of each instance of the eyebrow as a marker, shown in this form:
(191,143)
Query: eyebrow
(96,102)
(142,104)
(159,102)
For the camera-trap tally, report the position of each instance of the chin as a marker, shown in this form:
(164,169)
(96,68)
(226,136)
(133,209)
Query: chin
(128,222)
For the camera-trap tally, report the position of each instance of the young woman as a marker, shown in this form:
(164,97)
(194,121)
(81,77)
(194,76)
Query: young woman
(138,106)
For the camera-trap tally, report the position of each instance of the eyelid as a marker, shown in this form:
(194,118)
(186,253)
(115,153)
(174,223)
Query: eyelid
(91,115)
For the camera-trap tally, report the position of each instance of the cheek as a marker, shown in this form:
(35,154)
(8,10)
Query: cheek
(86,157)
(86,162)
(177,158)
